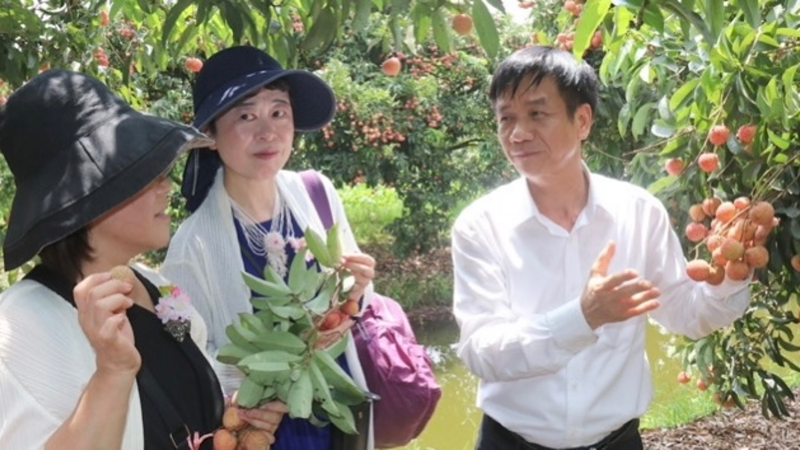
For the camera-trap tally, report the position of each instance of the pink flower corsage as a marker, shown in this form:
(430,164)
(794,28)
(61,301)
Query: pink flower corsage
(174,310)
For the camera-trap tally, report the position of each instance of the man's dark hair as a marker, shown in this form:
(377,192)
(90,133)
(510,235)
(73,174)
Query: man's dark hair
(576,81)
(66,256)
(277,85)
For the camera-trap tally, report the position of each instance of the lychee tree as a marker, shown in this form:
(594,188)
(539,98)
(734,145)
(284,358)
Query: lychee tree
(57,32)
(713,84)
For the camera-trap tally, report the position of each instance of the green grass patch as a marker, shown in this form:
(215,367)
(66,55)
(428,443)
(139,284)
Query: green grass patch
(417,281)
(686,403)
(370,210)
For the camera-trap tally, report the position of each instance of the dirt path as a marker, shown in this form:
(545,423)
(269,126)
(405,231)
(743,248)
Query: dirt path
(731,430)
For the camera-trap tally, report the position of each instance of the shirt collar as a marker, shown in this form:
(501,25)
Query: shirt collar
(524,208)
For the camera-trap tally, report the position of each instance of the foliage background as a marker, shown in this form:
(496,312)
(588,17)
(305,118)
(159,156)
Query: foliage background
(671,70)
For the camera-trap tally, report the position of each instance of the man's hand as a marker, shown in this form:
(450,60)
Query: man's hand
(616,297)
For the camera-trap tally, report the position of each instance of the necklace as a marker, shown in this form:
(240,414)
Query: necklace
(271,243)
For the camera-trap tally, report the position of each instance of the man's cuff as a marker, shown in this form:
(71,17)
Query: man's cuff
(569,327)
(727,288)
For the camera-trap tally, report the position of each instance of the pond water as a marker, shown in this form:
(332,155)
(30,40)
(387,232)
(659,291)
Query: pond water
(454,425)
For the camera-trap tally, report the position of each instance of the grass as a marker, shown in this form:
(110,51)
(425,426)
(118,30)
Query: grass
(420,281)
(687,404)
(370,211)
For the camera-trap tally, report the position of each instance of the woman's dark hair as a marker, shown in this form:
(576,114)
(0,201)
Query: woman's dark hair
(66,256)
(576,81)
(277,85)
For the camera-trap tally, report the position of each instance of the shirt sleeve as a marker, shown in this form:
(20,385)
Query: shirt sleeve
(25,424)
(497,343)
(692,308)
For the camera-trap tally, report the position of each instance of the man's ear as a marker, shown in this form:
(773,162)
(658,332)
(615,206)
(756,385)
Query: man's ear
(583,119)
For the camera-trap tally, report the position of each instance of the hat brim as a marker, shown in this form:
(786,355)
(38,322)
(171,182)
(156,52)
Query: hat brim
(52,205)
(313,101)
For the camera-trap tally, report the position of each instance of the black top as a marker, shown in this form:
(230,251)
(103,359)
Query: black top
(179,368)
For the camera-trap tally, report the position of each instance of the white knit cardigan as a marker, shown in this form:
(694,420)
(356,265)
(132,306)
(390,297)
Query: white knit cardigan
(46,362)
(205,261)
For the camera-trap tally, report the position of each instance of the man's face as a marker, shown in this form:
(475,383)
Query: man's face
(254,138)
(536,132)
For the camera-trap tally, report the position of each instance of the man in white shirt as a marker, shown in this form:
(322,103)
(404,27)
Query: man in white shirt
(555,272)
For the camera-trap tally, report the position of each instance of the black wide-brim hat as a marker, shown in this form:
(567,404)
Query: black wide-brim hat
(229,76)
(77,151)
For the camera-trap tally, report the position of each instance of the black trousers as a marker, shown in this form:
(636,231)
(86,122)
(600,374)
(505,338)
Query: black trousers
(493,436)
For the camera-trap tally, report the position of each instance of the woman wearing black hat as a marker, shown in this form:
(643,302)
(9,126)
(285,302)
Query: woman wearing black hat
(247,211)
(91,360)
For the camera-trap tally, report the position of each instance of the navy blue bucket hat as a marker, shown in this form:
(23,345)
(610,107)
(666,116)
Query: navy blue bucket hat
(231,75)
(77,151)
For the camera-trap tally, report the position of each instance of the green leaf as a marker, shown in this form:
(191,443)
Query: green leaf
(346,422)
(252,323)
(297,271)
(653,17)
(300,396)
(241,336)
(291,311)
(715,17)
(234,20)
(752,12)
(269,360)
(661,129)
(337,377)
(363,10)
(280,340)
(336,350)
(779,141)
(145,6)
(682,93)
(322,392)
(334,244)
(640,119)
(594,11)
(441,31)
(348,282)
(269,379)
(172,17)
(318,248)
(690,17)
(264,287)
(322,32)
(498,5)
(322,301)
(271,275)
(265,303)
(661,184)
(422,22)
(486,28)
(250,394)
(231,354)
(400,6)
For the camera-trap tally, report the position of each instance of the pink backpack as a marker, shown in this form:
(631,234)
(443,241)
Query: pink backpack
(396,368)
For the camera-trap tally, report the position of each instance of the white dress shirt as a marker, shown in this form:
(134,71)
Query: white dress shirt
(519,276)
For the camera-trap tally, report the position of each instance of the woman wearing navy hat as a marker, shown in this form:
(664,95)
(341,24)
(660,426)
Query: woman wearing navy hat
(89,360)
(248,212)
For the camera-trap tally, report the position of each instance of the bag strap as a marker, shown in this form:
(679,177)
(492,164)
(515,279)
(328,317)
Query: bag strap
(180,433)
(316,190)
